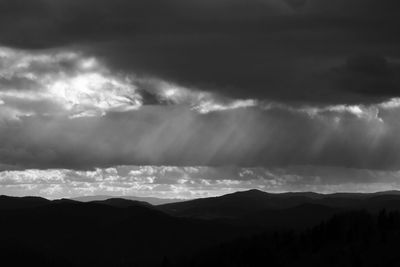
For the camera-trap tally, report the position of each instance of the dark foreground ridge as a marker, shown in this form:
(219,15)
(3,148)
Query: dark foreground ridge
(251,228)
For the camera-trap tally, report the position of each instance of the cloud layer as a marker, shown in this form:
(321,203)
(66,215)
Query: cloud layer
(67,110)
(192,182)
(271,84)
(281,50)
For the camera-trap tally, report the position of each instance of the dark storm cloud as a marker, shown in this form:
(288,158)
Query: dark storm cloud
(264,49)
(169,81)
(370,75)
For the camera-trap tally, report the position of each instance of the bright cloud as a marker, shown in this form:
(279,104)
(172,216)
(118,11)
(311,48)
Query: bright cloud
(67,120)
(67,82)
(192,182)
(70,83)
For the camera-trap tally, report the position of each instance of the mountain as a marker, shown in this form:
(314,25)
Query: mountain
(8,202)
(239,204)
(122,203)
(151,200)
(232,205)
(123,232)
(63,233)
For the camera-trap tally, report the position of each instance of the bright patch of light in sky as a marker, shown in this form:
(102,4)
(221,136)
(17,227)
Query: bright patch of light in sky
(191,182)
(210,106)
(75,84)
(72,84)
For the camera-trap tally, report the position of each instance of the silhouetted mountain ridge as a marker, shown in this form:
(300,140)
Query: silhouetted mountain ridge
(239,204)
(123,232)
(100,234)
(122,203)
(9,202)
(151,200)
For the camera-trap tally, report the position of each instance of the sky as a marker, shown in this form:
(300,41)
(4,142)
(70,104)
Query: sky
(196,98)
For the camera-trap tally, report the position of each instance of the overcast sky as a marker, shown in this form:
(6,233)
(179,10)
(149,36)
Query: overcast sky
(189,98)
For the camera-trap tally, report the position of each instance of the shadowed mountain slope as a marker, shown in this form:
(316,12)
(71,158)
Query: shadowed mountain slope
(353,238)
(99,234)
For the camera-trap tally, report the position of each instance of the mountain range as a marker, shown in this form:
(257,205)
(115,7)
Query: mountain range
(102,231)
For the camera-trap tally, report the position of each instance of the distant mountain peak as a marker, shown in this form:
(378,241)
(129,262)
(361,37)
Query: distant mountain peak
(122,202)
(251,192)
(255,191)
(150,200)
